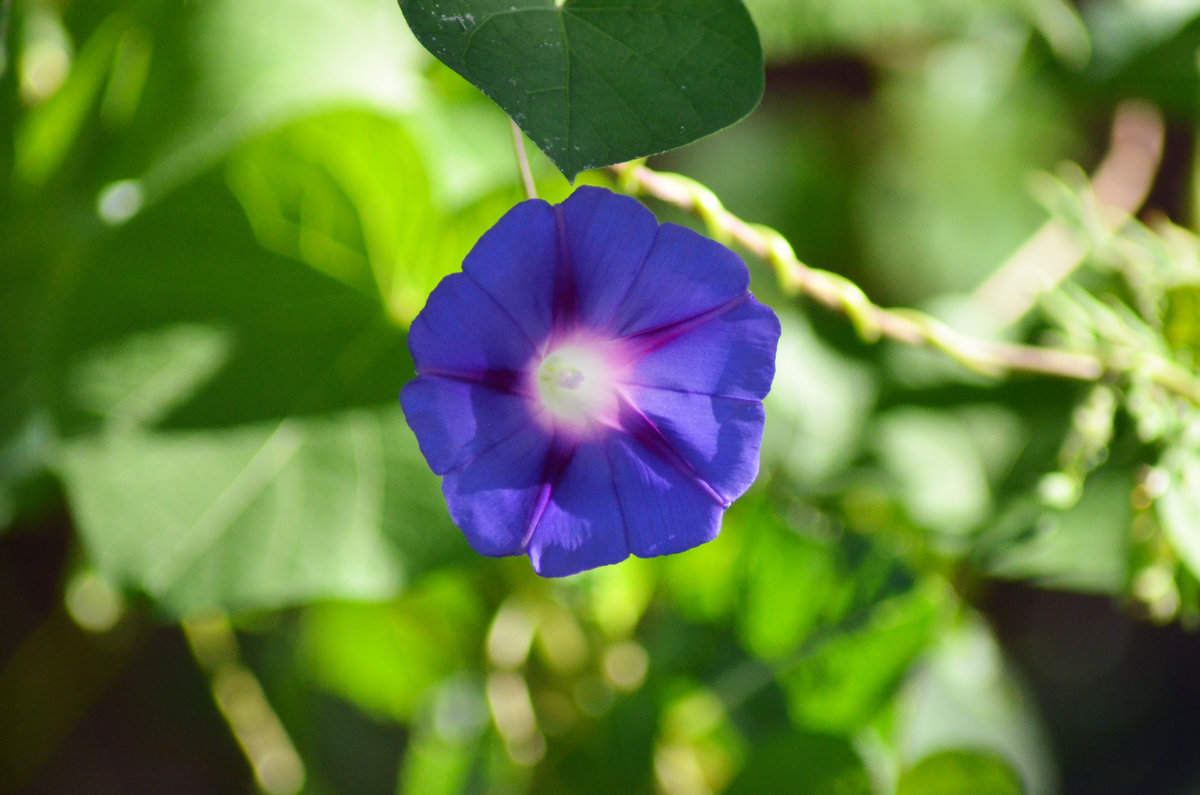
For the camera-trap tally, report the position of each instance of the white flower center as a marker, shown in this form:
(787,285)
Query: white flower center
(577,385)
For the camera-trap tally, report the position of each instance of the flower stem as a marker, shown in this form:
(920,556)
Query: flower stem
(523,161)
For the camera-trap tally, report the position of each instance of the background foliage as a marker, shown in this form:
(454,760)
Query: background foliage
(224,565)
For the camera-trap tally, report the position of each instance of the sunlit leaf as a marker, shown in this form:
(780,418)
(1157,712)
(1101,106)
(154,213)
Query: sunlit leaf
(595,82)
(347,193)
(140,379)
(795,578)
(704,582)
(227,70)
(252,453)
(261,515)
(287,339)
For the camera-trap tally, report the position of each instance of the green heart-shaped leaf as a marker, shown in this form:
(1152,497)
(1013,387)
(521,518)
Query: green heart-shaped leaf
(596,82)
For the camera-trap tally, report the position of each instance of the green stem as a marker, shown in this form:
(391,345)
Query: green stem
(836,292)
(871,321)
(240,698)
(523,161)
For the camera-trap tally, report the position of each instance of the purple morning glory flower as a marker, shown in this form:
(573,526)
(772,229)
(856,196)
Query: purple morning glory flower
(591,384)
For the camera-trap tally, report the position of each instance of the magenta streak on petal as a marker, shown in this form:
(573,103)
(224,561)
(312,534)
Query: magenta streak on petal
(509,382)
(556,464)
(566,292)
(650,340)
(645,432)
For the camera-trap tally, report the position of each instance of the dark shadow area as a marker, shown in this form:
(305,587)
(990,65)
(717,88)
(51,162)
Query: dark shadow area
(1120,697)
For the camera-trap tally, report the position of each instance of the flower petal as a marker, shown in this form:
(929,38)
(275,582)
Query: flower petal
(685,275)
(462,330)
(455,421)
(731,354)
(582,526)
(493,497)
(719,437)
(665,510)
(696,357)
(516,263)
(608,238)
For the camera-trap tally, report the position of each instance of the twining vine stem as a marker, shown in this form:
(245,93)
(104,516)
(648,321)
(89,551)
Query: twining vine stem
(839,293)
(873,322)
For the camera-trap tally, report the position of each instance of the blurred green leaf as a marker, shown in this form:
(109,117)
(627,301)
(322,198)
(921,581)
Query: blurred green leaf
(22,459)
(258,516)
(1179,507)
(842,683)
(704,583)
(1082,548)
(937,216)
(804,764)
(27,429)
(386,658)
(798,584)
(1146,50)
(436,766)
(788,594)
(944,462)
(140,379)
(942,481)
(596,82)
(1181,318)
(619,595)
(287,339)
(960,773)
(818,405)
(791,577)
(227,70)
(964,694)
(794,29)
(251,453)
(346,192)
(48,133)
